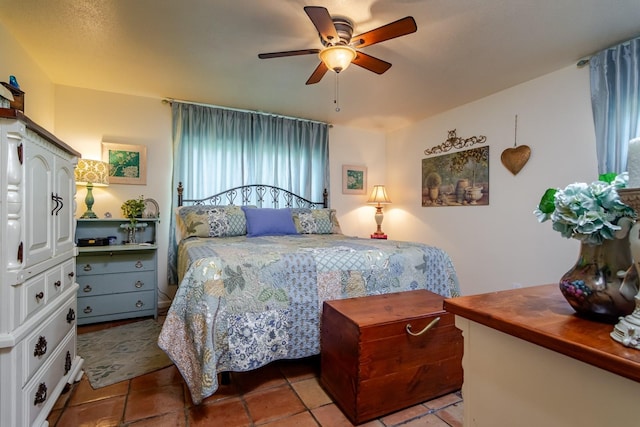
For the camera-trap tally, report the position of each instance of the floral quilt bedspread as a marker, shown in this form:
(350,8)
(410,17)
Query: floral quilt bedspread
(244,302)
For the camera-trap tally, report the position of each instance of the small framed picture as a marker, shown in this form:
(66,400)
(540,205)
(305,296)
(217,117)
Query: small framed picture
(354,179)
(127,163)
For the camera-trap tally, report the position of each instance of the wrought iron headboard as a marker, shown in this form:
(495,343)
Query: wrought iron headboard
(261,195)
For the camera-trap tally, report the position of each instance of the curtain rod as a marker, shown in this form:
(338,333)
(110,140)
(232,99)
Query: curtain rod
(171,100)
(585,61)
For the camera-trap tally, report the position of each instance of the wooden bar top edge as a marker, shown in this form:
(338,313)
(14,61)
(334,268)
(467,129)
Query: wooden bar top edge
(541,315)
(11,113)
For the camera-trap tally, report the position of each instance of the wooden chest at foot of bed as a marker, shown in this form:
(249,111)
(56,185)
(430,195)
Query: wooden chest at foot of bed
(377,357)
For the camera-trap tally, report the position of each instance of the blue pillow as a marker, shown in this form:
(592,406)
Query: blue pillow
(269,222)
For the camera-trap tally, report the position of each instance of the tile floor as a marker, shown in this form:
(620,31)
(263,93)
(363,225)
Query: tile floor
(281,394)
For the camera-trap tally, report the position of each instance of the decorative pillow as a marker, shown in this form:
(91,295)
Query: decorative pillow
(211,221)
(316,221)
(269,222)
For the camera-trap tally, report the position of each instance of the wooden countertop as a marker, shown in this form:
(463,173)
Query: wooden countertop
(542,316)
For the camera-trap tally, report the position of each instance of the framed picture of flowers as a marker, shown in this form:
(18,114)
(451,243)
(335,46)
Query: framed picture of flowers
(456,179)
(354,179)
(127,163)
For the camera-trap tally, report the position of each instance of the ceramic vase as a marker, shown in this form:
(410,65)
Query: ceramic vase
(602,284)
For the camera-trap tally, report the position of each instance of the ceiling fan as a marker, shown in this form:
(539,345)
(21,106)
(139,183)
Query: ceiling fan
(339,49)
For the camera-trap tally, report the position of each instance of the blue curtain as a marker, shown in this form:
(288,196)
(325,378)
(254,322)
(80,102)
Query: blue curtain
(215,149)
(615,99)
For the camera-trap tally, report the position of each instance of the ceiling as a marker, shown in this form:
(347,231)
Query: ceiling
(207,50)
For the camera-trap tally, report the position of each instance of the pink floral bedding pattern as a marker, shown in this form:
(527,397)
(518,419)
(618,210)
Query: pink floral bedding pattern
(244,302)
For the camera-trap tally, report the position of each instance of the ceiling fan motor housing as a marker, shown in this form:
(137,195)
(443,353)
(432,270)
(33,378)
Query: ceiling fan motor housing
(344,28)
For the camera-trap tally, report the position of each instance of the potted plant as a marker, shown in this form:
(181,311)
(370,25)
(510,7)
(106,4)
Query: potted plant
(433,184)
(133,209)
(601,285)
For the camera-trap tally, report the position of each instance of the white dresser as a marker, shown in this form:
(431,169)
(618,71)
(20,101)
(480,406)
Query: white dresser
(38,287)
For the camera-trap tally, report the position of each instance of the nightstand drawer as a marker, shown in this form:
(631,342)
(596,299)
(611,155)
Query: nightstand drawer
(115,262)
(116,283)
(114,304)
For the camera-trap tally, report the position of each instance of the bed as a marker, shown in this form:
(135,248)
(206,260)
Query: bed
(255,265)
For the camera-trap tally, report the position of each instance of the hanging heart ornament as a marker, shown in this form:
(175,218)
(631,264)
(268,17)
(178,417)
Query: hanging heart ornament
(515,158)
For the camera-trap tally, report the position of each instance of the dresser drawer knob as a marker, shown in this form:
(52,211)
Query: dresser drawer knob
(87,310)
(139,304)
(139,284)
(71,315)
(57,284)
(433,323)
(139,264)
(41,394)
(87,267)
(39,296)
(71,274)
(40,347)
(87,288)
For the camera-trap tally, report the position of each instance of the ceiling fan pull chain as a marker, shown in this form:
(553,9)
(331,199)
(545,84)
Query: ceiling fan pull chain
(337,94)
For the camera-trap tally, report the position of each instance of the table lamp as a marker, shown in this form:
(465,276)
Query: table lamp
(379,196)
(91,173)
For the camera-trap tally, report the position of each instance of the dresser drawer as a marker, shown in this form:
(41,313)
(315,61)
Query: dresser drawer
(44,340)
(116,283)
(32,296)
(45,387)
(60,278)
(114,304)
(115,262)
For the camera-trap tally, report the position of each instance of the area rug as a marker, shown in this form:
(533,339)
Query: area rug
(121,353)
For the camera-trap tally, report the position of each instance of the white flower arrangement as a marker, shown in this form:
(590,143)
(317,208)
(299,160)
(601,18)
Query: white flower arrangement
(590,213)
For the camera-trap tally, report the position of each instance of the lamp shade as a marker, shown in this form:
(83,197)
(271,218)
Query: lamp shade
(379,195)
(92,172)
(337,58)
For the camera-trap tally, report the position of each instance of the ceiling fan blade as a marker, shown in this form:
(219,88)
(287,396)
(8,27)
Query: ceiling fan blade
(323,23)
(317,74)
(398,28)
(288,53)
(371,63)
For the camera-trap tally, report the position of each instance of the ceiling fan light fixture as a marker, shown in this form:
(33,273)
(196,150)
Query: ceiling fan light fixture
(337,58)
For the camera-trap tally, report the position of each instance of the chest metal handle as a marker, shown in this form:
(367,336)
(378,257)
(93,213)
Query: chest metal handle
(71,315)
(433,323)
(41,394)
(40,348)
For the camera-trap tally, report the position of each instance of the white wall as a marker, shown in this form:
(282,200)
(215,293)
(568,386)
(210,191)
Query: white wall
(38,89)
(86,118)
(502,245)
(350,146)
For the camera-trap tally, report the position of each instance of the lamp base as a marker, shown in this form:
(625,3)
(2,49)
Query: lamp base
(89,215)
(379,236)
